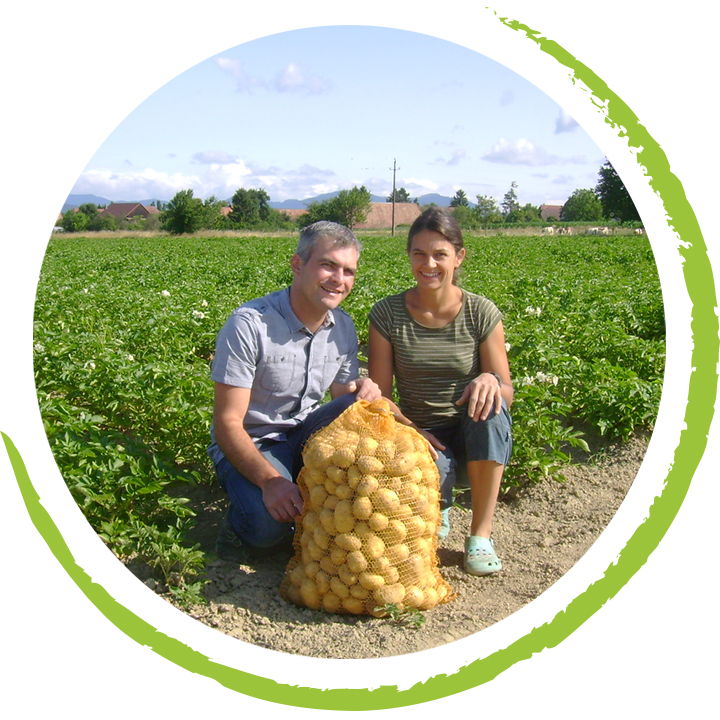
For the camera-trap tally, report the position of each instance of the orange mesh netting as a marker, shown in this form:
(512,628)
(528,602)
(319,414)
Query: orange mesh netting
(368,532)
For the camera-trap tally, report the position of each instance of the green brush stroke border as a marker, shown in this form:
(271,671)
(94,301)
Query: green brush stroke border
(693,440)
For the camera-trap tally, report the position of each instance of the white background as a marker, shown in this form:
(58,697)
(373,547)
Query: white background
(70,75)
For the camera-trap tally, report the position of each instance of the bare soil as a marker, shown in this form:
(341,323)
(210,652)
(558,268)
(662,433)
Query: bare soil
(540,533)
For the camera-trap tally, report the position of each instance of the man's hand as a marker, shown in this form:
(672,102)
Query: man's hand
(282,499)
(482,395)
(364,389)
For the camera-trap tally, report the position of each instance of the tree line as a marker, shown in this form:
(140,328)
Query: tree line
(249,209)
(609,201)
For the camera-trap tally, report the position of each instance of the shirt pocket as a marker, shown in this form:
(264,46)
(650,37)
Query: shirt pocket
(331,366)
(277,373)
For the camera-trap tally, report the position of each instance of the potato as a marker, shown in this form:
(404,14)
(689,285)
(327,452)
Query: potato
(293,595)
(403,512)
(331,502)
(385,501)
(310,521)
(339,587)
(354,476)
(311,568)
(356,561)
(344,573)
(413,569)
(414,596)
(378,522)
(409,491)
(344,491)
(382,566)
(404,442)
(330,486)
(298,574)
(331,602)
(317,496)
(359,592)
(400,464)
(395,532)
(337,555)
(344,519)
(348,542)
(353,605)
(415,527)
(363,530)
(397,553)
(344,456)
(389,594)
(367,446)
(328,565)
(371,581)
(322,582)
(327,520)
(309,594)
(373,546)
(386,450)
(316,552)
(369,465)
(336,474)
(321,538)
(430,600)
(362,508)
(367,486)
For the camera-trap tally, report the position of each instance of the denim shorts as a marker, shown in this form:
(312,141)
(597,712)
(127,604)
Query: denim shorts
(467,441)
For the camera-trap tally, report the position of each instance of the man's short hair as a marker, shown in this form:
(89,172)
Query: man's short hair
(343,237)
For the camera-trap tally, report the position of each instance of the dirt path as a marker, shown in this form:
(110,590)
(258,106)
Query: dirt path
(540,535)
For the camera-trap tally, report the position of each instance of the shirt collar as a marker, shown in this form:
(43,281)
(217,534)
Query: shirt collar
(294,323)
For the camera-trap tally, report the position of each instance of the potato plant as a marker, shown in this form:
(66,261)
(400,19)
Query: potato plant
(124,337)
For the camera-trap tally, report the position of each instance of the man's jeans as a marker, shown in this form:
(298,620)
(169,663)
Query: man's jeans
(247,515)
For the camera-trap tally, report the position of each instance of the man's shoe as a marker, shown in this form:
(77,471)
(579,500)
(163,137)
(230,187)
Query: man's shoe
(480,556)
(228,545)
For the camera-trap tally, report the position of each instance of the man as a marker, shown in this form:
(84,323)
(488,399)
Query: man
(275,359)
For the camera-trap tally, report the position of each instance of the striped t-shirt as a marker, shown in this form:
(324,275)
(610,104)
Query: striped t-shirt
(433,366)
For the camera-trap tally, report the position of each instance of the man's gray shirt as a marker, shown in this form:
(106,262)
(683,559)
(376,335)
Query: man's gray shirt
(263,346)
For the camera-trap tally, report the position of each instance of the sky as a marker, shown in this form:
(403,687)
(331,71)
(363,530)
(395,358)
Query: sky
(312,111)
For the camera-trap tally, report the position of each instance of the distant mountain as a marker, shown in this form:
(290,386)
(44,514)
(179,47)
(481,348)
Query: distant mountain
(302,204)
(439,200)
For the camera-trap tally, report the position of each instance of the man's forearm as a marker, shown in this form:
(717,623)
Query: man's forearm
(239,448)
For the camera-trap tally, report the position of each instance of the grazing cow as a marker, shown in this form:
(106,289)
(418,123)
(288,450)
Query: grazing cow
(593,231)
(605,231)
(548,230)
(638,231)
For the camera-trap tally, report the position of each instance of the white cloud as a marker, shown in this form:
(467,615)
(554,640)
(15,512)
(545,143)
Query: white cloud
(244,82)
(213,157)
(295,78)
(565,123)
(563,180)
(524,152)
(219,180)
(418,187)
(520,152)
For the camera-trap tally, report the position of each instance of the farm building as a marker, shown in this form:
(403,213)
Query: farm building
(379,217)
(125,211)
(548,212)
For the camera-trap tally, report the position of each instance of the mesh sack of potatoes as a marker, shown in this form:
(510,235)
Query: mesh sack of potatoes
(368,532)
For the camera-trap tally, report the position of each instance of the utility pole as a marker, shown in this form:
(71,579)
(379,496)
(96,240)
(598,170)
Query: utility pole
(393,199)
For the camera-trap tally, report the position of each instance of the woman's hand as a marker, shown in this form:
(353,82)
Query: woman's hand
(483,396)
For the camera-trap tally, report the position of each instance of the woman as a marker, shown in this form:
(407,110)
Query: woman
(445,347)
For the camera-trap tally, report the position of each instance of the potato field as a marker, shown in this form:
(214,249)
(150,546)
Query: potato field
(124,337)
